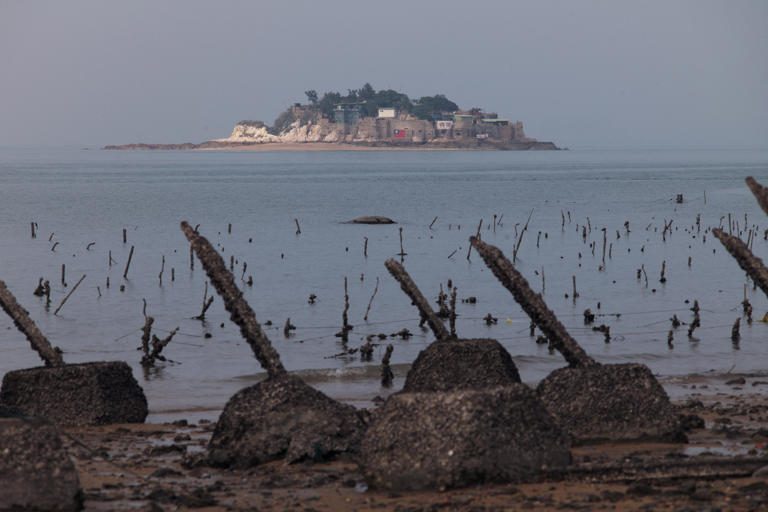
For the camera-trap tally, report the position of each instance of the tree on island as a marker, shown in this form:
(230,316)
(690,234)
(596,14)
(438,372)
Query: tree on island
(369,101)
(427,106)
(311,96)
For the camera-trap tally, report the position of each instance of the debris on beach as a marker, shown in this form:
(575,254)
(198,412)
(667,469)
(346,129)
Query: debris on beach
(591,401)
(281,417)
(95,393)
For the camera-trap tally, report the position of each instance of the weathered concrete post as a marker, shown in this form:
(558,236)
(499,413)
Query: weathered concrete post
(592,402)
(532,304)
(240,311)
(280,417)
(750,263)
(41,345)
(425,310)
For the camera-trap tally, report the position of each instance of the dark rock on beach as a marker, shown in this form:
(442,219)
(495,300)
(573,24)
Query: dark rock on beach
(372,219)
(35,471)
(96,393)
(283,418)
(617,402)
(453,365)
(443,440)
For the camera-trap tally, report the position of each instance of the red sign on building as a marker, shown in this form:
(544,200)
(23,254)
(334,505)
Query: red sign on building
(401,133)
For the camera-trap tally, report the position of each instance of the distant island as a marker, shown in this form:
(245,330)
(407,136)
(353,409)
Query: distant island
(368,119)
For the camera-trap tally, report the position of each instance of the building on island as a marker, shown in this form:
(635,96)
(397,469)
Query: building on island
(388,124)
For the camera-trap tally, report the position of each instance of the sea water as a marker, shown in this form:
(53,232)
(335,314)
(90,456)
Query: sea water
(82,200)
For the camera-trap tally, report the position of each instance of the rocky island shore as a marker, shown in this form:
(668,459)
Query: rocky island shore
(366,119)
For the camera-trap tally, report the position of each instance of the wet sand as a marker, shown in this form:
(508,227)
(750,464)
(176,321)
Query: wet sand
(155,467)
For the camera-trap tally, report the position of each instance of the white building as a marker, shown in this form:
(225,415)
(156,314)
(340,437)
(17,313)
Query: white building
(387,113)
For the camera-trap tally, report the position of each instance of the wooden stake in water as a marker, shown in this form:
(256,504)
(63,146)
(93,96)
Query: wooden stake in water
(68,295)
(128,263)
(386,370)
(368,309)
(345,327)
(402,251)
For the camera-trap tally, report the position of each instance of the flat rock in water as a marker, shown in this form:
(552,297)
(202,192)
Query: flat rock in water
(616,402)
(283,418)
(35,471)
(96,393)
(422,441)
(372,219)
(461,364)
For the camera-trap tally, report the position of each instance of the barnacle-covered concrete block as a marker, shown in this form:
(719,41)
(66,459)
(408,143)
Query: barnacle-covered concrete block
(283,418)
(95,393)
(461,364)
(613,402)
(453,439)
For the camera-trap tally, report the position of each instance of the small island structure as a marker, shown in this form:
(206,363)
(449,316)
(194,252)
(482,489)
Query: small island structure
(366,118)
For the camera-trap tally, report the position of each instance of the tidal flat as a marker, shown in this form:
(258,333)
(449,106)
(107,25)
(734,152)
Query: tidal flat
(605,233)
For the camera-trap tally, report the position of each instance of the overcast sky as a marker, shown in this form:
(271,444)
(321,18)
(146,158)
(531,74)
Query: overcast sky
(582,73)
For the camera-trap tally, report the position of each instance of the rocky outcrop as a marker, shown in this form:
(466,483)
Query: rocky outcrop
(250,132)
(76,394)
(35,471)
(283,418)
(442,440)
(320,130)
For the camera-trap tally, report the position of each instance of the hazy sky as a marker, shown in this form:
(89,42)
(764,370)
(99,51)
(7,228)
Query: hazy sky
(581,73)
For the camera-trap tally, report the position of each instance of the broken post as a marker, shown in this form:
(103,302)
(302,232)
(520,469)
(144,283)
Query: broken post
(64,300)
(345,327)
(370,302)
(128,263)
(240,311)
(425,310)
(47,352)
(533,305)
(207,301)
(386,370)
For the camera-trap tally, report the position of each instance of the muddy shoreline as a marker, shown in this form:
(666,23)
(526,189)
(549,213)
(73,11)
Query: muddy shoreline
(155,466)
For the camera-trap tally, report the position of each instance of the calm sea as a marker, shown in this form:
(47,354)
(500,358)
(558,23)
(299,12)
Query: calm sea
(82,200)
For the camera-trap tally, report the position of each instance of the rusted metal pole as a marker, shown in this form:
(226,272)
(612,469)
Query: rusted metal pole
(410,289)
(22,321)
(533,304)
(240,311)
